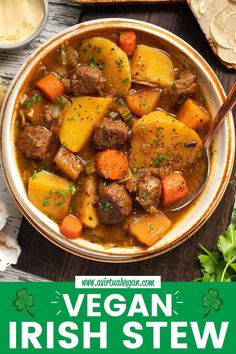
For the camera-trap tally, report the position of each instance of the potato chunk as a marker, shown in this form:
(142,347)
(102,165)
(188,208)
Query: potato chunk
(162,142)
(79,120)
(84,202)
(50,194)
(113,62)
(194,116)
(152,65)
(149,228)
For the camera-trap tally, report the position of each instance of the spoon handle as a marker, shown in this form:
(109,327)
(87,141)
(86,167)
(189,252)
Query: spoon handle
(228,104)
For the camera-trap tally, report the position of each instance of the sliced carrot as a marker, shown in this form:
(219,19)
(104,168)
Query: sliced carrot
(174,188)
(112,164)
(51,86)
(71,226)
(127,42)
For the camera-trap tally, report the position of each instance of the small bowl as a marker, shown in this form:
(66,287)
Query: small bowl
(221,164)
(33,36)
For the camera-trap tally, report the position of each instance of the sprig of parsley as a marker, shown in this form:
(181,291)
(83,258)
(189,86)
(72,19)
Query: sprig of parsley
(220,265)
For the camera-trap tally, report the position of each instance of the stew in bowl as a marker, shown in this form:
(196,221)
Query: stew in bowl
(108,137)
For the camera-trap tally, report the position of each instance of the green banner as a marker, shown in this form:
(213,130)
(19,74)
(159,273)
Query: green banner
(117,317)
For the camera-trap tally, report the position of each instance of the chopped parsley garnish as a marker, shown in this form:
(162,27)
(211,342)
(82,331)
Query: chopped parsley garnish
(142,125)
(63,145)
(28,104)
(160,158)
(156,141)
(59,204)
(119,63)
(106,143)
(159,130)
(36,98)
(62,192)
(106,205)
(120,101)
(46,201)
(101,66)
(125,81)
(133,169)
(92,61)
(90,168)
(202,98)
(57,76)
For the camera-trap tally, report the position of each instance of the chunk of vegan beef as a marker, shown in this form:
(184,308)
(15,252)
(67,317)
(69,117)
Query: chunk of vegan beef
(149,192)
(35,141)
(110,133)
(114,204)
(69,163)
(86,80)
(175,93)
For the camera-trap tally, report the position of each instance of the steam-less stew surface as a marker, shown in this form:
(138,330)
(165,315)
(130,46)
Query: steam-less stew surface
(109,138)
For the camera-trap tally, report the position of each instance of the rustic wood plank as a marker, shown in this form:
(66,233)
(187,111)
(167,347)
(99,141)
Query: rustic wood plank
(106,2)
(61,15)
(12,275)
(44,259)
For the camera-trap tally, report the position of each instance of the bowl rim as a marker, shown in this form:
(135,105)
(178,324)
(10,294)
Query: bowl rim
(28,40)
(157,31)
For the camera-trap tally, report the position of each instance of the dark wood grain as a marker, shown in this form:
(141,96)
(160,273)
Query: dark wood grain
(44,259)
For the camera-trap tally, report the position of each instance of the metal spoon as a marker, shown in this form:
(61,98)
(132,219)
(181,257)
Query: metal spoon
(216,123)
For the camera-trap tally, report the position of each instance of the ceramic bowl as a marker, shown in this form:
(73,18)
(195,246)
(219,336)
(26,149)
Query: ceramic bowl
(221,164)
(23,43)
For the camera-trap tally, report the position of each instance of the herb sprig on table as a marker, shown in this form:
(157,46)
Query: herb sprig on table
(220,265)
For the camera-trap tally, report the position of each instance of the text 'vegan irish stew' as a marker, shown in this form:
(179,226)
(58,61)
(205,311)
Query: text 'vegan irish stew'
(109,139)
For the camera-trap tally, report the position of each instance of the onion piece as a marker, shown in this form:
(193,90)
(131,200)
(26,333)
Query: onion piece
(145,83)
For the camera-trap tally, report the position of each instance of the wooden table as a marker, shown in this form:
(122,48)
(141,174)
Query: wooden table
(43,259)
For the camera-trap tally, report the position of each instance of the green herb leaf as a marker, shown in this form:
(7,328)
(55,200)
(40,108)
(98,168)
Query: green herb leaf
(159,159)
(125,81)
(28,104)
(220,265)
(90,168)
(59,204)
(36,98)
(106,205)
(63,145)
(120,101)
(72,188)
(46,202)
(92,61)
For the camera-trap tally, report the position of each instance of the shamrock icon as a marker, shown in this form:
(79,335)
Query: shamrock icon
(212,301)
(24,300)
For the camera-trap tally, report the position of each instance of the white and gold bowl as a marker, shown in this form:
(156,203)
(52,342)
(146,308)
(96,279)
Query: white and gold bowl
(221,164)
